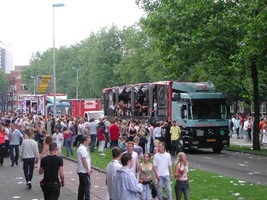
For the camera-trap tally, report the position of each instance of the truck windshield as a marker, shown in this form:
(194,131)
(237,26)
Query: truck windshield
(209,109)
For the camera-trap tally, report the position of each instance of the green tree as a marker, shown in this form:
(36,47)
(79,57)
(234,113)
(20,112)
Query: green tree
(98,56)
(140,60)
(3,83)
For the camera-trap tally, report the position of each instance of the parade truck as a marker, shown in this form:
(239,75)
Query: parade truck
(86,108)
(199,110)
(42,104)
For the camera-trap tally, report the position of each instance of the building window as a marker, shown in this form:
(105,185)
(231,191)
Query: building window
(24,87)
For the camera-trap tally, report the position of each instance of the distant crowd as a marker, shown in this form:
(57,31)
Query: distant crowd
(242,127)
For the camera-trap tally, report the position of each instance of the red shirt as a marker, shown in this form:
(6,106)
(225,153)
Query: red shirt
(2,137)
(100,134)
(114,131)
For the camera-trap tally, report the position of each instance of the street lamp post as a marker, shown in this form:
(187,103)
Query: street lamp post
(33,77)
(77,82)
(54,59)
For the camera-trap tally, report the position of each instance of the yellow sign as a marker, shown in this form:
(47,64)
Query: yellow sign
(44,82)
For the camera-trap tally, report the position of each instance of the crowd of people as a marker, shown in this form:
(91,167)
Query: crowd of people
(40,139)
(242,127)
(141,152)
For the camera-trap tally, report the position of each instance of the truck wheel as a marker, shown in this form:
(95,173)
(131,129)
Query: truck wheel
(217,150)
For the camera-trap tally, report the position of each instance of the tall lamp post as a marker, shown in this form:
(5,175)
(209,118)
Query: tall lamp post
(77,82)
(33,77)
(54,59)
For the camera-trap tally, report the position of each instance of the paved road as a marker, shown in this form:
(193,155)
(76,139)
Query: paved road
(13,185)
(243,166)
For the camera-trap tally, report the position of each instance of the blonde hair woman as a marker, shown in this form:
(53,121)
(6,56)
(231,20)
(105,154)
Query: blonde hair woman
(181,175)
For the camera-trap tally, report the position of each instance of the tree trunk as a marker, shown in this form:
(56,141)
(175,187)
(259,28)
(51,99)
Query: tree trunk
(256,128)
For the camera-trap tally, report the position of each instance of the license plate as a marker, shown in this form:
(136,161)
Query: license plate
(211,140)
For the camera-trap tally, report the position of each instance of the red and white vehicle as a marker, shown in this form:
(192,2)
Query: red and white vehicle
(87,108)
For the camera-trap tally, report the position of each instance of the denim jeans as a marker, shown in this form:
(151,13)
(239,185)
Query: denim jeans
(146,193)
(93,142)
(248,134)
(14,158)
(164,180)
(28,167)
(68,146)
(182,187)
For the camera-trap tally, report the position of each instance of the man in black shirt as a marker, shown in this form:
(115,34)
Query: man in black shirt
(52,167)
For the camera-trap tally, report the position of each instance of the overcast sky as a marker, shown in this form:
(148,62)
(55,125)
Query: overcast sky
(28,24)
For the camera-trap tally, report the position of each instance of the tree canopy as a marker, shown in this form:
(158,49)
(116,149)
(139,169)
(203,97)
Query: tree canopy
(221,41)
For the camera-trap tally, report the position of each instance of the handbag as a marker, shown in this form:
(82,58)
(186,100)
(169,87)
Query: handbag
(154,192)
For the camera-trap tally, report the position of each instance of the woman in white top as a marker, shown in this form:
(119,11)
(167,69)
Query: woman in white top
(181,175)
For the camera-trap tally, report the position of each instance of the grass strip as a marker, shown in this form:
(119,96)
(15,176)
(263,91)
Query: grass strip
(203,185)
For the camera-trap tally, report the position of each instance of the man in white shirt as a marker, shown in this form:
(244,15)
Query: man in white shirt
(81,129)
(84,169)
(111,170)
(92,127)
(59,139)
(163,164)
(247,128)
(135,158)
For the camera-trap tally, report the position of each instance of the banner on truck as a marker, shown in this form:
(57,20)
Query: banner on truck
(90,104)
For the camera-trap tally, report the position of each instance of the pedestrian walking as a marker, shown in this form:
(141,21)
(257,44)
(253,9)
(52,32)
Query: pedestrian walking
(67,133)
(163,164)
(52,168)
(29,156)
(182,178)
(111,171)
(127,186)
(92,127)
(84,169)
(2,144)
(15,137)
(47,141)
(248,128)
(59,139)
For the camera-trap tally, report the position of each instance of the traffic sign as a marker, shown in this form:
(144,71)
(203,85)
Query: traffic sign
(44,83)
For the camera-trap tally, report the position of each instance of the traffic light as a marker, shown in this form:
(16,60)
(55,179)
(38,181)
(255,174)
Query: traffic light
(10,94)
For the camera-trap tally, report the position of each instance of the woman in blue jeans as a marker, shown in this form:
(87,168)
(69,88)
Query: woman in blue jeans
(68,141)
(181,175)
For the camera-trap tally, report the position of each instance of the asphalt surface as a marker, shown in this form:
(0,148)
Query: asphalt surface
(13,185)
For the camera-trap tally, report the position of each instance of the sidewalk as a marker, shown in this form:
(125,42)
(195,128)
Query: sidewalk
(242,142)
(13,185)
